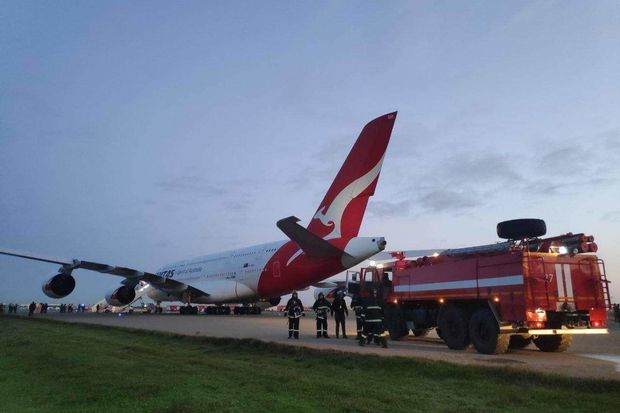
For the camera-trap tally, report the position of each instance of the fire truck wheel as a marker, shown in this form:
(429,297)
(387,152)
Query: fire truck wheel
(519,341)
(394,322)
(558,343)
(521,228)
(484,333)
(452,322)
(421,332)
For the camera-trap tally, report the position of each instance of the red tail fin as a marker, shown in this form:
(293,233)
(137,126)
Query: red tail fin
(342,209)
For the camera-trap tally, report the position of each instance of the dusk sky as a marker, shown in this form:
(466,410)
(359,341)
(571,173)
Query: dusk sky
(138,133)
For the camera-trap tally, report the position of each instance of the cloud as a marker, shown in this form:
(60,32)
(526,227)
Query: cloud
(611,216)
(458,180)
(192,184)
(449,200)
(389,209)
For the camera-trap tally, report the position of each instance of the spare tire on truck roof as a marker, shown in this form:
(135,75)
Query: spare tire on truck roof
(521,228)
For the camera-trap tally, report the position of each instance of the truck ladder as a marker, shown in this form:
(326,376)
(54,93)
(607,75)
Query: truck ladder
(604,284)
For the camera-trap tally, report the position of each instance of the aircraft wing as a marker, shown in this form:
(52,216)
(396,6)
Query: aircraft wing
(132,276)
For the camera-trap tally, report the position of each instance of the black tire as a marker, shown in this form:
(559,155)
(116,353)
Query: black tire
(395,323)
(518,341)
(553,344)
(484,333)
(453,324)
(423,332)
(521,228)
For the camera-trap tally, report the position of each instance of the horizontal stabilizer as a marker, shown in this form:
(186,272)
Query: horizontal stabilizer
(394,255)
(310,243)
(330,284)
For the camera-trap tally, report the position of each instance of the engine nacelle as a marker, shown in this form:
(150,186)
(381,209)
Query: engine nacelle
(59,286)
(329,292)
(268,302)
(121,296)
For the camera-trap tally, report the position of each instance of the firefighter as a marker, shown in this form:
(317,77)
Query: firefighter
(321,307)
(356,306)
(339,309)
(294,309)
(372,316)
(617,313)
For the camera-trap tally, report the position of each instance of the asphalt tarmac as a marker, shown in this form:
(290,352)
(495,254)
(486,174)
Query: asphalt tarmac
(596,356)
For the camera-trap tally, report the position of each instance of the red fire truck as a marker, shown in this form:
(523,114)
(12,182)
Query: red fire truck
(496,296)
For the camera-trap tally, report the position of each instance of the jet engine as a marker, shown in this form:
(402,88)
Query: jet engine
(268,302)
(121,296)
(59,286)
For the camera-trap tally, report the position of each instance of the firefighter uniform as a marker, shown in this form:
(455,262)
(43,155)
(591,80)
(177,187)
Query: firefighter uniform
(339,310)
(294,310)
(356,306)
(321,307)
(372,316)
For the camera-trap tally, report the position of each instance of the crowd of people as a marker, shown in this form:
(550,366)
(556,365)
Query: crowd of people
(41,308)
(12,308)
(368,315)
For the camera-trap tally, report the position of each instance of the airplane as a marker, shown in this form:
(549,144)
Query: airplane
(261,273)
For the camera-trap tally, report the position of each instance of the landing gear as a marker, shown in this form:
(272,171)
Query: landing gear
(217,310)
(188,310)
(247,310)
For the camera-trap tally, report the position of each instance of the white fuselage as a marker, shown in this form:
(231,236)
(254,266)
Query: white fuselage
(230,276)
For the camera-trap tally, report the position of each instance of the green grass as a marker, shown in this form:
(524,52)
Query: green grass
(52,366)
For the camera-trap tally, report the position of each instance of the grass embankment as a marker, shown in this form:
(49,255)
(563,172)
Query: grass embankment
(51,366)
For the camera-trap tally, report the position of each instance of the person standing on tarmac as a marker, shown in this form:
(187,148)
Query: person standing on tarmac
(372,317)
(339,308)
(356,306)
(31,308)
(294,309)
(321,307)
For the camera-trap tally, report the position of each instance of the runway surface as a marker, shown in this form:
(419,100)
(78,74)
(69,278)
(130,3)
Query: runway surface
(596,356)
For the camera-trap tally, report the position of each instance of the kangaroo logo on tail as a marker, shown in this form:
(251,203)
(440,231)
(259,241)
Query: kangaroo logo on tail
(341,212)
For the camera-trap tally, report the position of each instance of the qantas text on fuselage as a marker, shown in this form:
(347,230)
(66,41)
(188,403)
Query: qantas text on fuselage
(329,245)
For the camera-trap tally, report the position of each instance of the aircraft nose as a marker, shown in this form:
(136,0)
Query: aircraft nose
(381,243)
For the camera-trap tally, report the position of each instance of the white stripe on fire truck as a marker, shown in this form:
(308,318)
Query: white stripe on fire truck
(568,280)
(455,285)
(559,279)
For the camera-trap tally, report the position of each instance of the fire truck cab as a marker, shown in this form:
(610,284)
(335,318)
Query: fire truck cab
(497,296)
